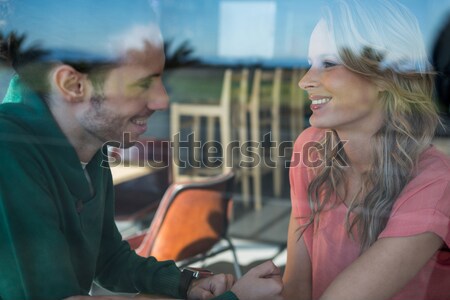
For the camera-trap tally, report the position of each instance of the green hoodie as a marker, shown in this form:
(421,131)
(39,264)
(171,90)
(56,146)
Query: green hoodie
(58,236)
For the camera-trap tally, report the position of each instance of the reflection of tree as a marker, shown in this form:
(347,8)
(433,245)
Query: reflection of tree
(181,56)
(441,62)
(13,51)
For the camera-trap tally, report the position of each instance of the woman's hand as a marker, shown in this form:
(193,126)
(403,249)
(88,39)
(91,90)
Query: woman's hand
(260,283)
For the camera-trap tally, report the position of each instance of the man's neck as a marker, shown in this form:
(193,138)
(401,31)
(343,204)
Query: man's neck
(85,144)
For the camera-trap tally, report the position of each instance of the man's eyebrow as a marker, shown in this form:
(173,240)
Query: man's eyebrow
(146,79)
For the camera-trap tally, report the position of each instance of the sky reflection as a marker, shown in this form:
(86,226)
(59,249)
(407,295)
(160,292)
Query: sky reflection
(281,36)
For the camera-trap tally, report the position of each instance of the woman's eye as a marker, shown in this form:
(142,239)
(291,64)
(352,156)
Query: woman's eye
(329,64)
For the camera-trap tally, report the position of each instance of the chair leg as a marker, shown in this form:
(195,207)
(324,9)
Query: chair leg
(237,267)
(245,172)
(197,158)
(225,138)
(277,179)
(257,190)
(245,181)
(275,128)
(277,172)
(256,170)
(203,257)
(210,134)
(175,135)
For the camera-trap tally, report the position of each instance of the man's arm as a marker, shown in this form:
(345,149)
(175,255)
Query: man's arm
(34,256)
(120,269)
(262,282)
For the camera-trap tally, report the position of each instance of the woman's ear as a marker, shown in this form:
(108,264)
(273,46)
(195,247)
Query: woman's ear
(69,83)
(381,86)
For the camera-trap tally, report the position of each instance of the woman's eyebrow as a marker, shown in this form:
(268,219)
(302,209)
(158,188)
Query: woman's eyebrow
(322,56)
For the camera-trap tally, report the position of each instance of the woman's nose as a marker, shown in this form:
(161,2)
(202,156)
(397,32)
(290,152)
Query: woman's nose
(309,80)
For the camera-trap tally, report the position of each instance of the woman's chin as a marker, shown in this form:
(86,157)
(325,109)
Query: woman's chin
(318,124)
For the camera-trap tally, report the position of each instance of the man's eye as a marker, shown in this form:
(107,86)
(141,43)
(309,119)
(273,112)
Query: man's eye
(145,85)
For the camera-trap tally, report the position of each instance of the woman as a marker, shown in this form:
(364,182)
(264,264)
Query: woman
(370,195)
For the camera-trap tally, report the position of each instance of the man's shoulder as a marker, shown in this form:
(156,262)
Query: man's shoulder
(17,136)
(11,124)
(14,114)
(14,119)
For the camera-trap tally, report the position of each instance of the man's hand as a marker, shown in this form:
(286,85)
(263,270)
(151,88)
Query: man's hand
(99,298)
(209,287)
(261,282)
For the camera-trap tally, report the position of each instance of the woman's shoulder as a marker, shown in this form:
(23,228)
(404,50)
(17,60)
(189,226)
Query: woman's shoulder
(423,205)
(433,164)
(429,185)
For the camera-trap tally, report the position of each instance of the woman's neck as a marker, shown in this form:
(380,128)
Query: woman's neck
(358,149)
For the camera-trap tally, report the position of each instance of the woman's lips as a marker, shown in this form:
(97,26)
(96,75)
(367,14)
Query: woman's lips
(319,103)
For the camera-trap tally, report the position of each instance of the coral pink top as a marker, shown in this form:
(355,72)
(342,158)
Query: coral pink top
(423,206)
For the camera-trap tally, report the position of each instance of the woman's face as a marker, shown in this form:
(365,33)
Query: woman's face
(341,99)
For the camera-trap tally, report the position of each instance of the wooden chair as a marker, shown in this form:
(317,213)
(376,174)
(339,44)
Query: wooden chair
(213,112)
(191,220)
(264,112)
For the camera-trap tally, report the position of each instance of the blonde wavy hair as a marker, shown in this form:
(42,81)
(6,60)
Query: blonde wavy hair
(380,41)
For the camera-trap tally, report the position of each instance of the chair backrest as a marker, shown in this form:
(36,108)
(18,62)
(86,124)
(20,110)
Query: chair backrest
(190,220)
(234,90)
(225,94)
(266,89)
(235,86)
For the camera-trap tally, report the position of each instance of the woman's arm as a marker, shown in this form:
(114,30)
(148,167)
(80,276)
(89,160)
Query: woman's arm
(385,268)
(297,275)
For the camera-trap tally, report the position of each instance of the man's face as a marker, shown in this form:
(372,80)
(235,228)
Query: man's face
(131,93)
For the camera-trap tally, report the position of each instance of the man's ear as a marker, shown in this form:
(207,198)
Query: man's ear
(71,84)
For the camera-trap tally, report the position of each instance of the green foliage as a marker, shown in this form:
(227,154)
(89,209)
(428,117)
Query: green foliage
(181,56)
(13,51)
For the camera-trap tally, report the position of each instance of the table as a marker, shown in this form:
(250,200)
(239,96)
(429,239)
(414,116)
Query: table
(144,297)
(122,173)
(138,190)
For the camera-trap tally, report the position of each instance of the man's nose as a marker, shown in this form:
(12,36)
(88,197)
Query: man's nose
(158,100)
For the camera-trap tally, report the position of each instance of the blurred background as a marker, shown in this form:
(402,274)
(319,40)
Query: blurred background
(203,39)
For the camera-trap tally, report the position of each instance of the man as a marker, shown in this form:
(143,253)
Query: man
(56,200)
